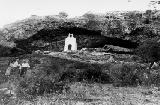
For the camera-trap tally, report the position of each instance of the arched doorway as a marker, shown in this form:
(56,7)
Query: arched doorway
(69,47)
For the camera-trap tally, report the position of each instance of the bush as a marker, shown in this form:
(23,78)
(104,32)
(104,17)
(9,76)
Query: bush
(155,77)
(63,14)
(51,75)
(93,74)
(44,77)
(90,73)
(5,51)
(149,51)
(125,74)
(133,75)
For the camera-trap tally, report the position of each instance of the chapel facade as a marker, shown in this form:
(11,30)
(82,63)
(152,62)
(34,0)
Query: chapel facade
(70,43)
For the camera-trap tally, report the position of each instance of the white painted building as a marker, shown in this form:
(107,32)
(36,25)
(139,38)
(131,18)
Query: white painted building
(70,43)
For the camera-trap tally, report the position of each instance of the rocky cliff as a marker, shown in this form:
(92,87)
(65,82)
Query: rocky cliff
(91,31)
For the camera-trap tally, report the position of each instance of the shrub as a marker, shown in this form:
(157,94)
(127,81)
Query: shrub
(125,74)
(89,16)
(63,14)
(79,72)
(155,77)
(5,51)
(50,74)
(44,79)
(92,73)
(149,51)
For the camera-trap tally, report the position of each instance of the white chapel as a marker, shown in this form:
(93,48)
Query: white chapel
(70,43)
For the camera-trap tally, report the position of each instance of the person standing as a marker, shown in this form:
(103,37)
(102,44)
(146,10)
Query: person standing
(12,66)
(24,67)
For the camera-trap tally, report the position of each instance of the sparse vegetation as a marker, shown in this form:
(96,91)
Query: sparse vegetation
(86,76)
(63,14)
(59,76)
(149,51)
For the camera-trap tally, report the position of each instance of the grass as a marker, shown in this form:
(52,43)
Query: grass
(74,92)
(3,66)
(98,94)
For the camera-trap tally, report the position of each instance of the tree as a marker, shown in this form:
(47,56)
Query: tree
(154,4)
(149,51)
(89,16)
(93,21)
(63,14)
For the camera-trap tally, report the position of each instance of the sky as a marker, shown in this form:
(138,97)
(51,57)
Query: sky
(13,10)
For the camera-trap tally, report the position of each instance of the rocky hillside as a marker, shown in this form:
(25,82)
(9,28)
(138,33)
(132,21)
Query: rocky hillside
(91,30)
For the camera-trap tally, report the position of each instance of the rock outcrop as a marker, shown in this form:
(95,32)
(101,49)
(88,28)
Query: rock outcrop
(49,32)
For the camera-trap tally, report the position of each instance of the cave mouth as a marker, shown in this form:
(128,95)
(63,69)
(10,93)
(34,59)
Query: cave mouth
(86,38)
(100,40)
(121,43)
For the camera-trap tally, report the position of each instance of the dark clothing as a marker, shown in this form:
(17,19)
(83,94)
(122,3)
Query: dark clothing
(23,71)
